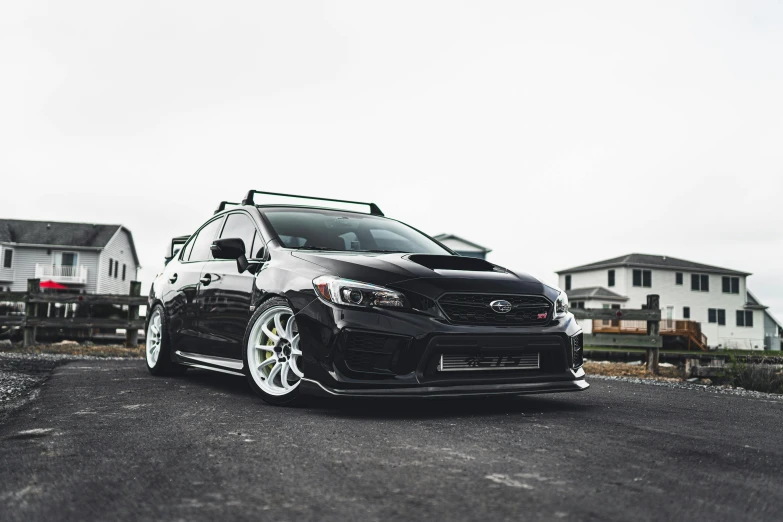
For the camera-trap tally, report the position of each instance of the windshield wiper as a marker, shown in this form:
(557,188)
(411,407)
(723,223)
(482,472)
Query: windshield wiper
(314,248)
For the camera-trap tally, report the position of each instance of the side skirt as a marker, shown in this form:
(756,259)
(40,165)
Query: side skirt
(209,362)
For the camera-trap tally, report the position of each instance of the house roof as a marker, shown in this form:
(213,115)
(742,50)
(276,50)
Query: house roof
(444,237)
(653,261)
(594,292)
(53,233)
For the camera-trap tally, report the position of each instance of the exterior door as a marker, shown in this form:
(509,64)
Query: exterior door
(185,280)
(225,295)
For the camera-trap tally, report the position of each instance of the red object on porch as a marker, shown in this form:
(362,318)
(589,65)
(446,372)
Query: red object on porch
(52,285)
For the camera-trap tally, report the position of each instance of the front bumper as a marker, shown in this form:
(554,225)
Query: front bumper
(313,387)
(414,342)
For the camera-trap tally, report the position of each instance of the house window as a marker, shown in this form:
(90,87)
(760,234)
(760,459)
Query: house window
(642,278)
(610,275)
(700,282)
(578,304)
(111,266)
(8,258)
(568,282)
(123,271)
(745,318)
(716,316)
(686,312)
(116,269)
(730,285)
(678,278)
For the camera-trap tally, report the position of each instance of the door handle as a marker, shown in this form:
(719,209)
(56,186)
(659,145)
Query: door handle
(173,279)
(206,279)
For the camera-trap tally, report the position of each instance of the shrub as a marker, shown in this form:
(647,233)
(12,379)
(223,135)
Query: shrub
(757,376)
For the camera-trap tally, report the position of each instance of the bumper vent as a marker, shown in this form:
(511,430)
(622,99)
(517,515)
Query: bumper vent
(372,353)
(474,309)
(577,351)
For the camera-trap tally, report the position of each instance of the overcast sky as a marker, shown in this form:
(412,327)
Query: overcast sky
(555,133)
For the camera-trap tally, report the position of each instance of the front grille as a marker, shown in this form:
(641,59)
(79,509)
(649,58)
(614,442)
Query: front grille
(372,353)
(481,362)
(474,309)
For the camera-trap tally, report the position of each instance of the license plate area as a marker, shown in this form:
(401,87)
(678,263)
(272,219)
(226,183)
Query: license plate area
(488,361)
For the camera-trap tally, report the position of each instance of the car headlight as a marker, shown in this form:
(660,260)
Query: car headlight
(561,305)
(353,293)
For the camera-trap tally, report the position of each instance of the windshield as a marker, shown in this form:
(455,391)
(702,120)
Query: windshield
(345,231)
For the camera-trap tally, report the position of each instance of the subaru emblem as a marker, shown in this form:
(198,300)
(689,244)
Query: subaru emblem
(500,306)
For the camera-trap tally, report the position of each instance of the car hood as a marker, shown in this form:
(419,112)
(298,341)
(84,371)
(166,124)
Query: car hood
(427,275)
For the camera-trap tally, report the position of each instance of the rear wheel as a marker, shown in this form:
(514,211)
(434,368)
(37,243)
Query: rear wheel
(272,353)
(158,348)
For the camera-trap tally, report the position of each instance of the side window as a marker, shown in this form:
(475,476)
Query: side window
(204,240)
(188,248)
(240,225)
(258,245)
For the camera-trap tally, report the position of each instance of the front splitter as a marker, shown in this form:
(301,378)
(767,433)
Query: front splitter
(316,388)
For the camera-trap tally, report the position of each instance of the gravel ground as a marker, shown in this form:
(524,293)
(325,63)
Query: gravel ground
(724,390)
(22,374)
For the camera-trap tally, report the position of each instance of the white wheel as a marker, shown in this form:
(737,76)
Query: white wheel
(154,338)
(273,354)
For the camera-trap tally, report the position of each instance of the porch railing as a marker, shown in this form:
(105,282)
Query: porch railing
(61,273)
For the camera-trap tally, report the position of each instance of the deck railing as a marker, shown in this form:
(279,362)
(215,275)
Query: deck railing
(61,273)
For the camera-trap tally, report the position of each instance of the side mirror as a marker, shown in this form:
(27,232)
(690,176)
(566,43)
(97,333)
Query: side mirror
(230,248)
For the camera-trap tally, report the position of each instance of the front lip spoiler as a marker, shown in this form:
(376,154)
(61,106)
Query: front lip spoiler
(316,388)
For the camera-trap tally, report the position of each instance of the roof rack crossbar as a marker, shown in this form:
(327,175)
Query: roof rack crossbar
(374,210)
(222,206)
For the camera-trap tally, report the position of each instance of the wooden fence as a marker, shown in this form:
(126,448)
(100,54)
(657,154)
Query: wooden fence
(33,298)
(652,341)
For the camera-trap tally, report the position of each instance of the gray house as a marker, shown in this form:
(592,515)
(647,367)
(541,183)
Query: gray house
(86,257)
(462,246)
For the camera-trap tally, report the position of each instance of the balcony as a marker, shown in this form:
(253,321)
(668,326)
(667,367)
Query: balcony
(75,275)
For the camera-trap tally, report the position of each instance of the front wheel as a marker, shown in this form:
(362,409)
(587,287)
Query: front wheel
(272,354)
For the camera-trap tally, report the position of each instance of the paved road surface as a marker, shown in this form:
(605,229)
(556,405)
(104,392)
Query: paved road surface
(106,441)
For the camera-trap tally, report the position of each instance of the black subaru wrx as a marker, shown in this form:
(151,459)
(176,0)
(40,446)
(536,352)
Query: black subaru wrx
(306,299)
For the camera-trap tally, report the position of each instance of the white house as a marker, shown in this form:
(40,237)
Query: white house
(717,298)
(84,257)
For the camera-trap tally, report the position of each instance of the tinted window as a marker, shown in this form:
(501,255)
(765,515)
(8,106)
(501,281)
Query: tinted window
(204,240)
(334,230)
(240,225)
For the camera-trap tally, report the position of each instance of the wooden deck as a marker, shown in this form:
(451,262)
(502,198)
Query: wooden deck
(689,330)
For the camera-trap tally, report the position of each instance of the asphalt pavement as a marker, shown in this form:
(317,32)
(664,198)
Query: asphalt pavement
(104,440)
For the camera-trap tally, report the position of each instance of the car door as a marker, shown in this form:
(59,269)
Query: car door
(184,277)
(225,295)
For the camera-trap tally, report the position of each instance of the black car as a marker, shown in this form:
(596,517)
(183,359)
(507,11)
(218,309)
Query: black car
(303,299)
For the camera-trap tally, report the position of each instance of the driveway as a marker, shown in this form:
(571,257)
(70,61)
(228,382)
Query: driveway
(103,440)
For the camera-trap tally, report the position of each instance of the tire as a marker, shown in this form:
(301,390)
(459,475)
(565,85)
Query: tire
(158,346)
(272,359)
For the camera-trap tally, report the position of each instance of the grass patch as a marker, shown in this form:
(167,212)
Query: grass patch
(756,377)
(96,350)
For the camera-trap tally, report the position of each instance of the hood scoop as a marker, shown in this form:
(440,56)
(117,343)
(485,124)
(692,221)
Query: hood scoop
(459,263)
